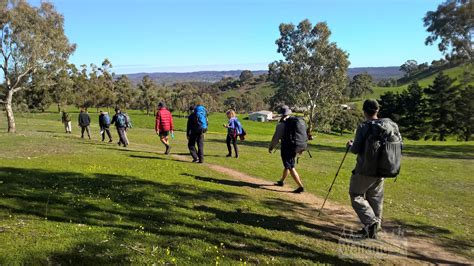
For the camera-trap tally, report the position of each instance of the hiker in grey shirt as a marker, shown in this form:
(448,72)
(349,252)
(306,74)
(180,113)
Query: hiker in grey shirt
(366,192)
(288,156)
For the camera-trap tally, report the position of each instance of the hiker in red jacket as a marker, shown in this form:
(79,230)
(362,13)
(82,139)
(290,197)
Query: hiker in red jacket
(164,125)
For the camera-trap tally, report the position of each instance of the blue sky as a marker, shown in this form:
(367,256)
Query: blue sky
(185,35)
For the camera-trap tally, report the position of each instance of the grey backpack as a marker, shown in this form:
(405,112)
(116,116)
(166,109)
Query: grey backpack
(382,149)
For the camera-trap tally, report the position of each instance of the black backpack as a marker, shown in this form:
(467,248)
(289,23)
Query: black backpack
(382,149)
(295,137)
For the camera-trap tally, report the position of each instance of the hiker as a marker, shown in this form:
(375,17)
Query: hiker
(289,149)
(66,120)
(164,125)
(84,122)
(366,187)
(121,123)
(104,124)
(234,129)
(195,129)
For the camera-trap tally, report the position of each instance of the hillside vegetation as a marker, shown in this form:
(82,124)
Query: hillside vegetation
(454,72)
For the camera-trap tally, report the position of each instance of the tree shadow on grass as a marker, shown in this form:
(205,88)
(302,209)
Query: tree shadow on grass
(174,213)
(48,131)
(465,152)
(226,182)
(165,211)
(415,229)
(442,236)
(188,154)
(146,157)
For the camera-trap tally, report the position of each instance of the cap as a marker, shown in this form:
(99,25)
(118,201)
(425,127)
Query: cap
(285,110)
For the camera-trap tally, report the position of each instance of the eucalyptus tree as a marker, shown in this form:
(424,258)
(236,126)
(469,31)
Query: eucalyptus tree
(31,39)
(313,72)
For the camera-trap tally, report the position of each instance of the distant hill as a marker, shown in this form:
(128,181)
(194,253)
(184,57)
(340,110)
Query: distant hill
(200,76)
(377,73)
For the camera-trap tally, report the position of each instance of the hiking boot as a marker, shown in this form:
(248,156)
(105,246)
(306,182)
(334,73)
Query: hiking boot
(362,233)
(299,190)
(119,143)
(200,161)
(279,183)
(228,155)
(372,231)
(367,232)
(195,160)
(110,140)
(168,148)
(379,226)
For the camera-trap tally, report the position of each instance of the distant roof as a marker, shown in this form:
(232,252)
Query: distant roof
(262,112)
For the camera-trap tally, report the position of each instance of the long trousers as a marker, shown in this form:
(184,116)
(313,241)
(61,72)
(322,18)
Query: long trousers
(367,198)
(199,140)
(85,128)
(68,126)
(232,139)
(121,134)
(104,131)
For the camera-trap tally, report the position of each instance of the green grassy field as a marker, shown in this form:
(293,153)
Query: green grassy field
(65,200)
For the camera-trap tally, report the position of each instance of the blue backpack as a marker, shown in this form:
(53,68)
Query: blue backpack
(121,120)
(238,127)
(106,119)
(201,117)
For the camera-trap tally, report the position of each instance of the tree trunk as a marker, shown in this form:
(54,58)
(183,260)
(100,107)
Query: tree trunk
(147,111)
(9,110)
(310,122)
(59,108)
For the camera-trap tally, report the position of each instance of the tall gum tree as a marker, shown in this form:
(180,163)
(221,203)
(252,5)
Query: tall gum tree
(31,39)
(452,24)
(313,72)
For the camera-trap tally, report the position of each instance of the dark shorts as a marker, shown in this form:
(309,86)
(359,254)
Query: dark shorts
(288,158)
(164,134)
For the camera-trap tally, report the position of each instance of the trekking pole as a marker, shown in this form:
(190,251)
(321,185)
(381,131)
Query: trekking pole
(337,173)
(309,153)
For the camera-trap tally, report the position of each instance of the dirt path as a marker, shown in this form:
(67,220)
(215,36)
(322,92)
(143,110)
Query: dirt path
(404,248)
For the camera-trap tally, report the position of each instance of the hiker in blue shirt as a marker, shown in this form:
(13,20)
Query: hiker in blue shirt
(234,129)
